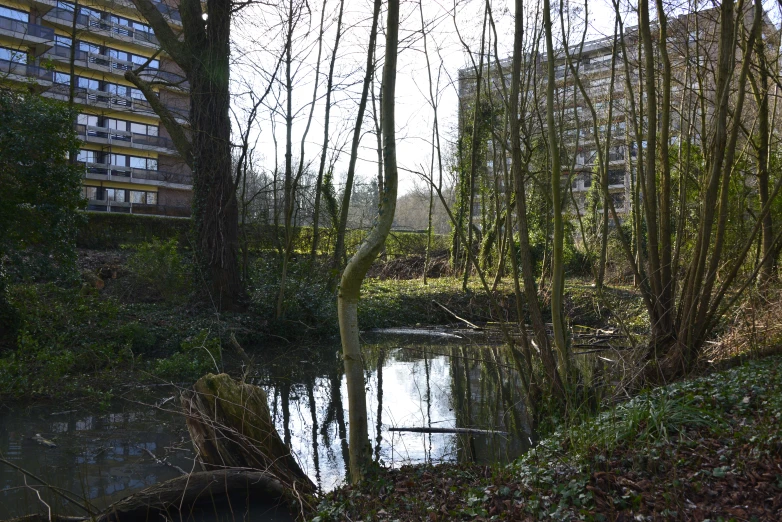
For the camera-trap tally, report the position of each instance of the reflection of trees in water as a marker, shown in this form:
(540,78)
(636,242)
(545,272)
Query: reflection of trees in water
(479,385)
(485,395)
(381,360)
(314,432)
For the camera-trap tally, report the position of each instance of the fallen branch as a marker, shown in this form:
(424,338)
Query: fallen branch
(471,431)
(465,321)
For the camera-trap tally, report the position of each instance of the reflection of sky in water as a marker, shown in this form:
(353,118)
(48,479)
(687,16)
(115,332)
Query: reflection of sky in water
(102,457)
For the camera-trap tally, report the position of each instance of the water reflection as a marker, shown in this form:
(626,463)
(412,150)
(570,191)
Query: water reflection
(99,457)
(411,382)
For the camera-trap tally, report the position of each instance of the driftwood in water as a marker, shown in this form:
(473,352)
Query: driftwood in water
(471,431)
(231,427)
(465,321)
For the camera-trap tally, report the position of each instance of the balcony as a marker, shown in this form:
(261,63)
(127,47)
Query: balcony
(107,136)
(107,100)
(30,33)
(90,60)
(106,172)
(126,6)
(104,205)
(21,71)
(64,17)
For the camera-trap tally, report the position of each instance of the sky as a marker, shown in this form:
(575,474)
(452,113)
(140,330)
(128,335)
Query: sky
(259,41)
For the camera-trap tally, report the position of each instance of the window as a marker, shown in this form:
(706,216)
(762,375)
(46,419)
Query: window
(137,196)
(143,163)
(587,180)
(120,125)
(119,90)
(14,14)
(141,60)
(138,26)
(151,198)
(88,83)
(87,156)
(87,119)
(92,13)
(619,200)
(116,195)
(91,192)
(89,47)
(10,55)
(62,41)
(616,177)
(119,55)
(62,78)
(149,130)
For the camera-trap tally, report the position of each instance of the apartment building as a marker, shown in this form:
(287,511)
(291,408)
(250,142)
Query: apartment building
(692,47)
(83,50)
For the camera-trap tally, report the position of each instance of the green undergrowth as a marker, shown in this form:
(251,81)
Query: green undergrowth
(147,320)
(72,342)
(707,448)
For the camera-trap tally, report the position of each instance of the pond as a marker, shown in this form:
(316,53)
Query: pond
(419,379)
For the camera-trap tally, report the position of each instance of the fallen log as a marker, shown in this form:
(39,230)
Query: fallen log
(183,495)
(186,493)
(470,431)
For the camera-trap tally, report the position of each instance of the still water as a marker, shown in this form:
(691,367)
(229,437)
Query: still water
(413,380)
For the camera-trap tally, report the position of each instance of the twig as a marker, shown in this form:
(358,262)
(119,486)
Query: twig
(465,321)
(164,462)
(44,483)
(38,494)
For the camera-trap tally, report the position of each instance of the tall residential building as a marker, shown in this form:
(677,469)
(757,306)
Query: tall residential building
(130,163)
(692,48)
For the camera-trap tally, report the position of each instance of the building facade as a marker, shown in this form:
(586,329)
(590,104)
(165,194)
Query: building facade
(81,52)
(599,110)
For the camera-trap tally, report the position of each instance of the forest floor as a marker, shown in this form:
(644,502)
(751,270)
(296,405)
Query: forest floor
(703,449)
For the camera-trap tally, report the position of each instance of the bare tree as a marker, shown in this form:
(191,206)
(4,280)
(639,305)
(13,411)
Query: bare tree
(357,267)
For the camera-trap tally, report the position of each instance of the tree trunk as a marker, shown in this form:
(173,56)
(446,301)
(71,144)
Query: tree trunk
(203,53)
(525,255)
(231,427)
(324,149)
(557,261)
(356,269)
(339,250)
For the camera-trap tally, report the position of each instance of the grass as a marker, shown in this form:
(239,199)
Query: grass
(708,448)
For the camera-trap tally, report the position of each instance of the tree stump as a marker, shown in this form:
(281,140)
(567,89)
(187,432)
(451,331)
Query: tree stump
(231,427)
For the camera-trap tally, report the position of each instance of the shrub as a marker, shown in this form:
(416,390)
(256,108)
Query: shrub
(198,355)
(307,298)
(139,338)
(160,270)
